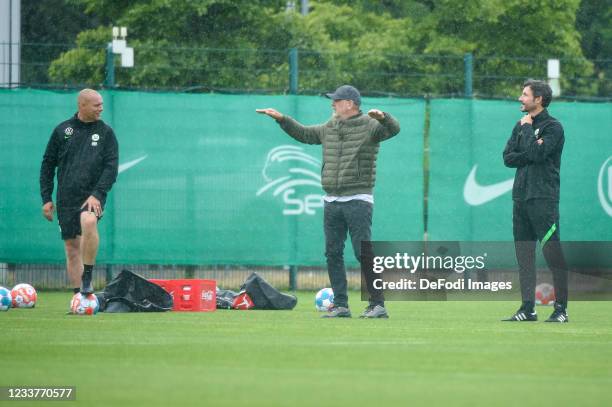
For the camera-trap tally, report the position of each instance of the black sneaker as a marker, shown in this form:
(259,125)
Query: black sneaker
(375,311)
(558,315)
(338,312)
(86,285)
(523,316)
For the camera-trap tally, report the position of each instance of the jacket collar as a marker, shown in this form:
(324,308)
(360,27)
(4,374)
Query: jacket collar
(351,119)
(542,116)
(79,122)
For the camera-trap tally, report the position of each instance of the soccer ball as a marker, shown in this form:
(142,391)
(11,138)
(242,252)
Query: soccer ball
(84,304)
(545,294)
(324,299)
(24,296)
(6,299)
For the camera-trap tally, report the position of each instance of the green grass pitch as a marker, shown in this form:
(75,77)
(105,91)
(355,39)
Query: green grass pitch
(427,353)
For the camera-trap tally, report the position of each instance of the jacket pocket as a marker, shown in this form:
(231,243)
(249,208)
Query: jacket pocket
(324,180)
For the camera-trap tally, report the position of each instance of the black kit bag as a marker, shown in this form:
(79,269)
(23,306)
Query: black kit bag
(129,292)
(265,296)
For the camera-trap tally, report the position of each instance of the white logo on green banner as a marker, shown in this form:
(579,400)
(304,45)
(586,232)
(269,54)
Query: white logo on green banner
(301,170)
(605,179)
(130,164)
(476,194)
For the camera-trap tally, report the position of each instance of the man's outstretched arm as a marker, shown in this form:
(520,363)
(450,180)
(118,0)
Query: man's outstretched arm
(303,134)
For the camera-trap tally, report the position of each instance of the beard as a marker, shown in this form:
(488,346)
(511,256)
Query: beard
(527,107)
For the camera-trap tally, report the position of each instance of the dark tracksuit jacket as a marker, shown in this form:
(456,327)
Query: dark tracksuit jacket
(537,166)
(537,179)
(87,158)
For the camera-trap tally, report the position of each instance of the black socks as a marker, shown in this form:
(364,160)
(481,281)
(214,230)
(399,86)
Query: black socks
(87,271)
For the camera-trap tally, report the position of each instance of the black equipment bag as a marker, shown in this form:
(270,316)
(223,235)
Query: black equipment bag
(129,292)
(265,296)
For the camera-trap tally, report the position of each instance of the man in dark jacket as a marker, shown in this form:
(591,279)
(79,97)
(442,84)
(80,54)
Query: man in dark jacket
(534,149)
(350,142)
(85,151)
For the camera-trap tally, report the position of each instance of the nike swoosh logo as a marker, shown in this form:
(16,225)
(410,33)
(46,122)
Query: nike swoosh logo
(476,194)
(126,166)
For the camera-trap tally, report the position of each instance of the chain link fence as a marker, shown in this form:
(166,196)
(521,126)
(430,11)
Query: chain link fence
(188,69)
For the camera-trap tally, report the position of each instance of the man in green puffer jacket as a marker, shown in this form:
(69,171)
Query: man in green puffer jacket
(350,141)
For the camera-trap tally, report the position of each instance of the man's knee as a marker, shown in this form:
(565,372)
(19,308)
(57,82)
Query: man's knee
(89,222)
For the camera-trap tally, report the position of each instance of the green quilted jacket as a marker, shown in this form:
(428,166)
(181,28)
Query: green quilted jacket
(350,148)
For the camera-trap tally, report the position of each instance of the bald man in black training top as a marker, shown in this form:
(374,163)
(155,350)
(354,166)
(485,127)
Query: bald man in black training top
(85,152)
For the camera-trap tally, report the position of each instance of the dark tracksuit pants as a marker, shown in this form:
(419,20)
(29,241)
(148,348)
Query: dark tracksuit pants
(538,219)
(354,217)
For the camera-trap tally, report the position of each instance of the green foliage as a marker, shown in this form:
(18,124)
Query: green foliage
(392,46)
(39,44)
(594,22)
(85,63)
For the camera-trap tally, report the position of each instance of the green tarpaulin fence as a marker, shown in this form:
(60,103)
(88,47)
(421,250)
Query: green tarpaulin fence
(211,181)
(205,180)
(469,193)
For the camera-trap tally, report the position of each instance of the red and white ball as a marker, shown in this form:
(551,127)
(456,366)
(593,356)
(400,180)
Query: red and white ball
(24,296)
(84,304)
(545,294)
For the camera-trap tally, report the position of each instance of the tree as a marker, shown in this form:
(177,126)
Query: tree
(594,23)
(39,43)
(177,43)
(408,47)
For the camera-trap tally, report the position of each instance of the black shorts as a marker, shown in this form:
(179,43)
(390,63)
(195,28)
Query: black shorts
(69,220)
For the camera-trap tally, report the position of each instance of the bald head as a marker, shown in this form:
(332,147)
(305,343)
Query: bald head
(90,105)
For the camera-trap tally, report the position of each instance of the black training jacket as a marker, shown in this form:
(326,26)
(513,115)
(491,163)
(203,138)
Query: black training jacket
(87,158)
(537,166)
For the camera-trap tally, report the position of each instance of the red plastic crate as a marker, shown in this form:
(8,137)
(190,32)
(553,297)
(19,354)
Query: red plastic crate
(191,294)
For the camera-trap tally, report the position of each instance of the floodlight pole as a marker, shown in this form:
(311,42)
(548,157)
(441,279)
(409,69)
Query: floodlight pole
(117,46)
(110,66)
(293,278)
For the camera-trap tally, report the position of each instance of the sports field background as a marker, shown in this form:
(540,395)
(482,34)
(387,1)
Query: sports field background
(427,353)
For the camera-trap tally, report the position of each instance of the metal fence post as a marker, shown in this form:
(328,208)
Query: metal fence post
(109,273)
(468,67)
(293,71)
(110,67)
(293,278)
